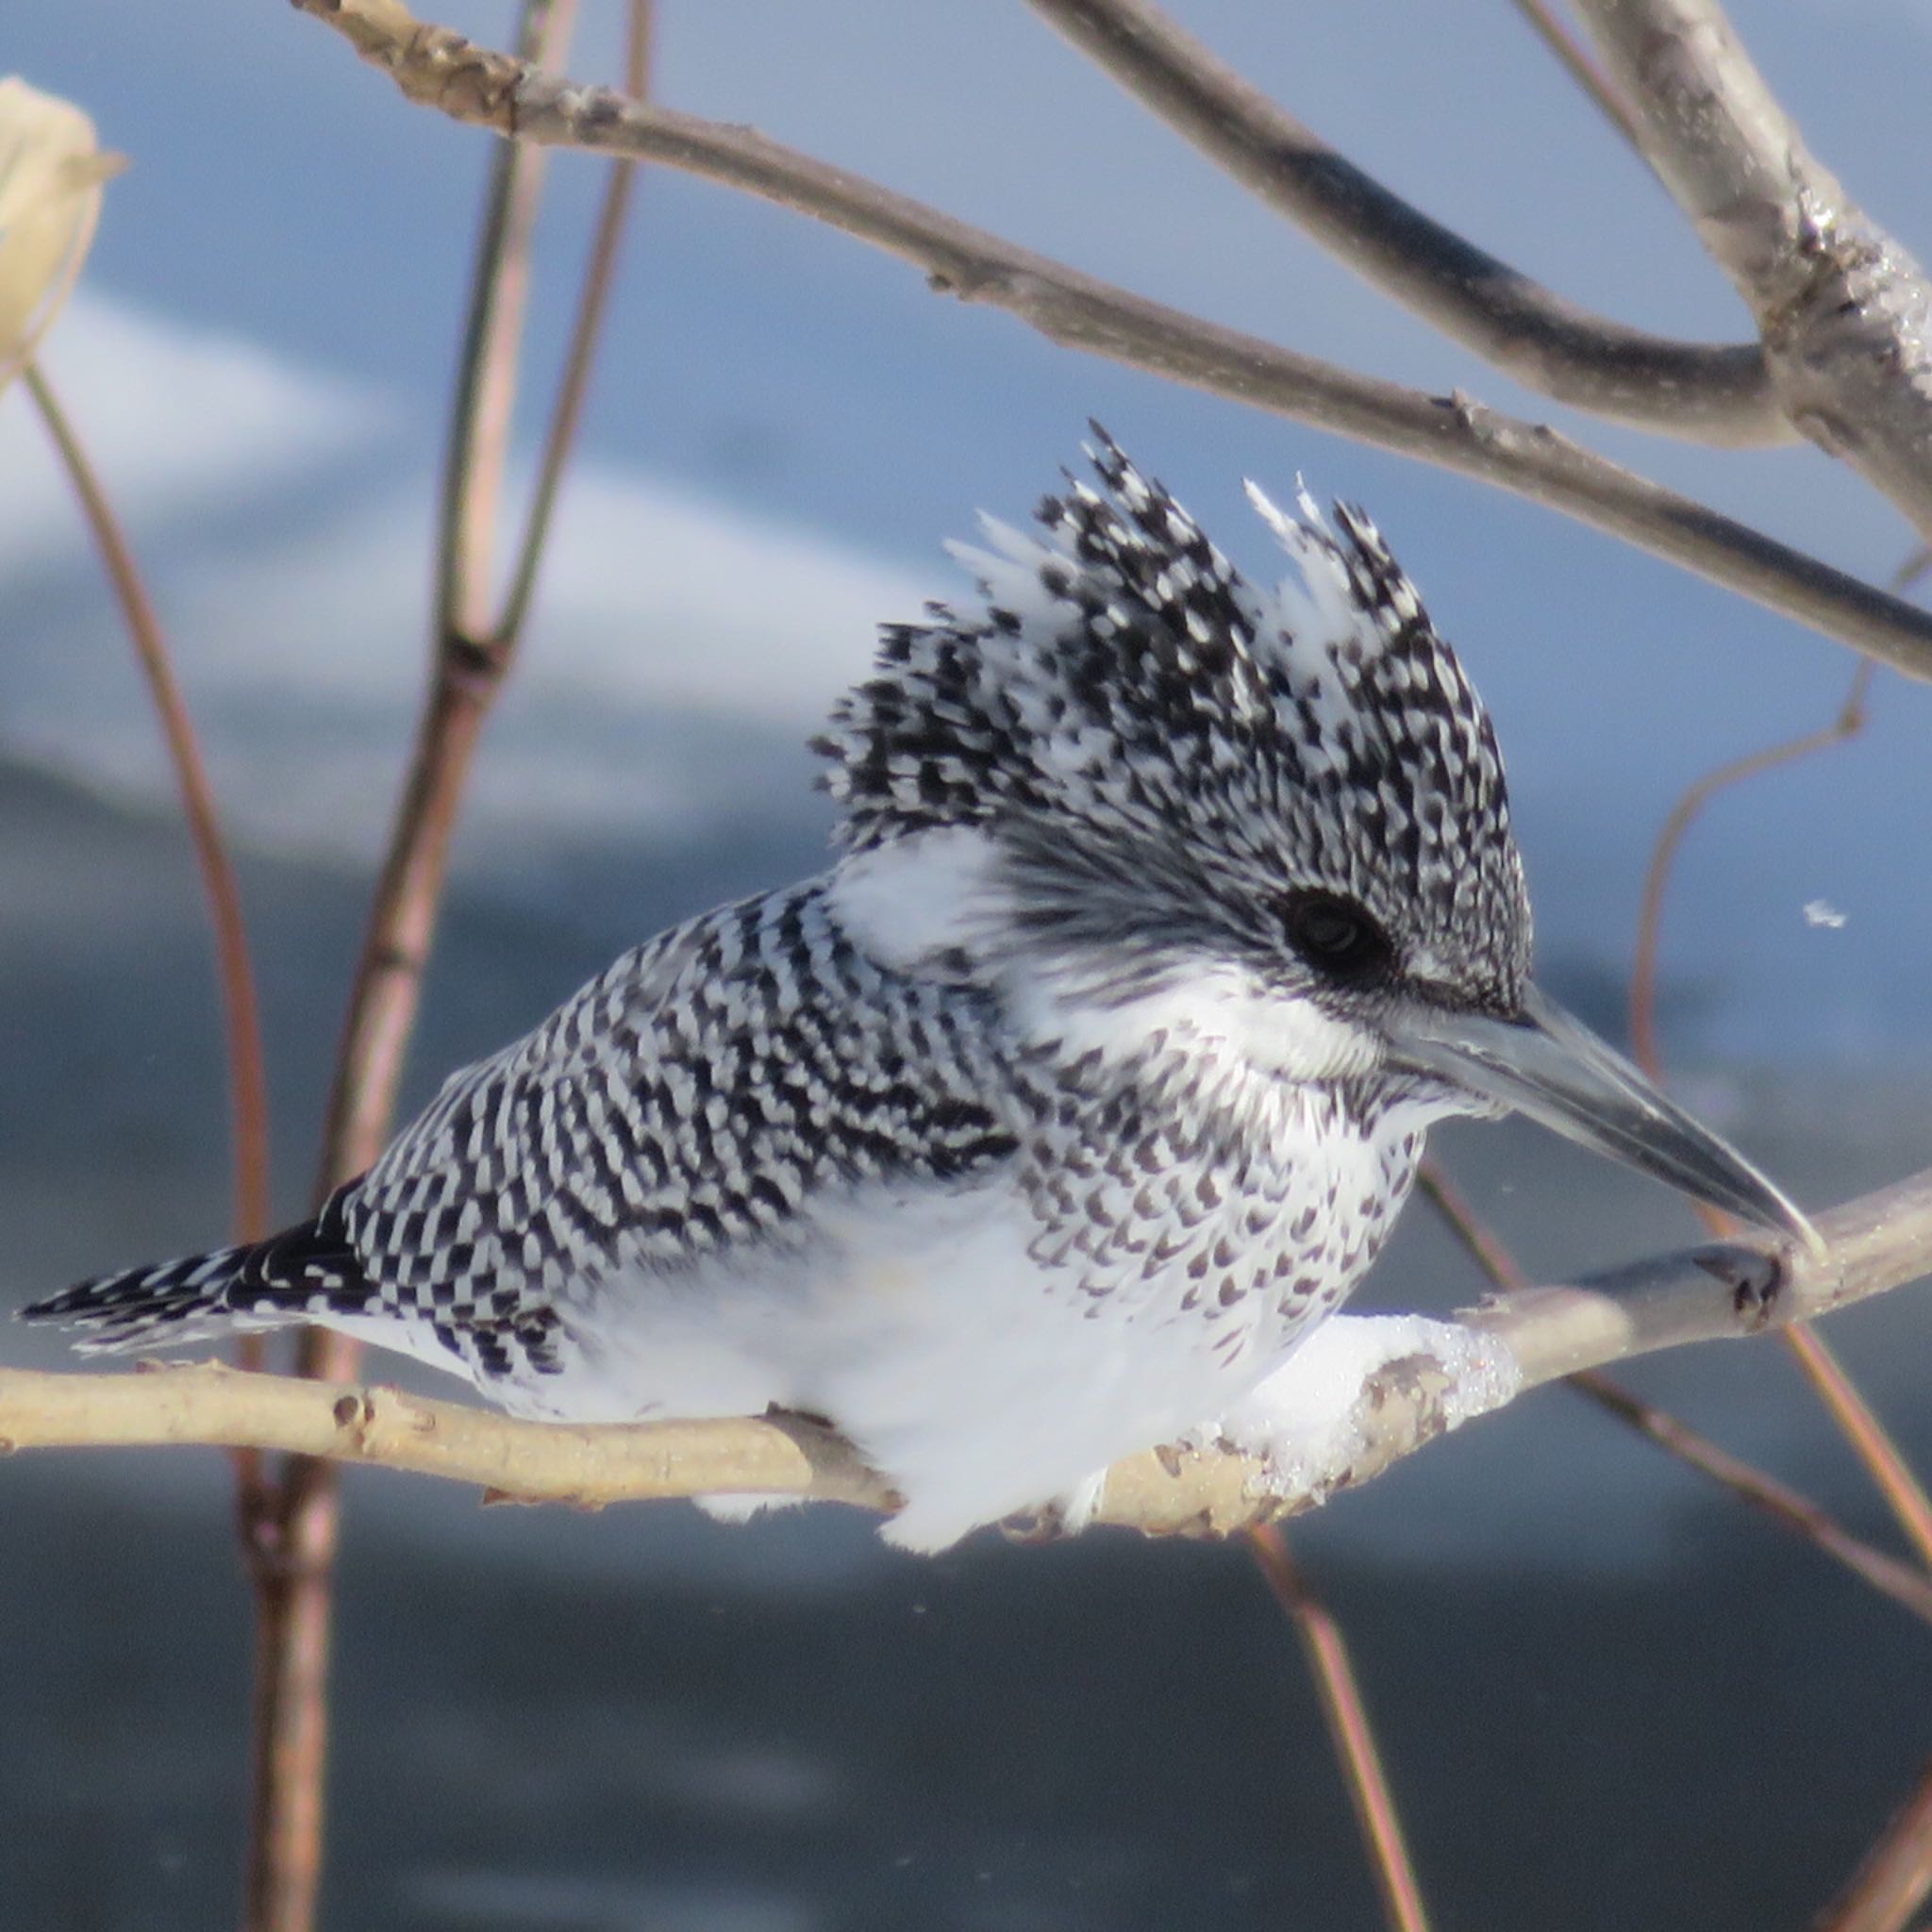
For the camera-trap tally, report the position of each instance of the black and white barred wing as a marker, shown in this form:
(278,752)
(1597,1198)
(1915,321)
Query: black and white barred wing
(703,1098)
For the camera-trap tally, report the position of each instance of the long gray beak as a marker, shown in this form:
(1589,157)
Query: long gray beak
(1553,1069)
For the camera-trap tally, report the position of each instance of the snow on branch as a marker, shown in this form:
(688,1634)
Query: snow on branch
(1417,1380)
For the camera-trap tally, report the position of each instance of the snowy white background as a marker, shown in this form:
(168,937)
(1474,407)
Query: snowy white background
(786,425)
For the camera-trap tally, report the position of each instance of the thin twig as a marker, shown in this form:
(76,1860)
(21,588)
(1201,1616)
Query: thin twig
(1881,1457)
(1479,1240)
(1894,1879)
(567,411)
(235,974)
(1684,814)
(482,86)
(298,1535)
(1542,19)
(469,661)
(1783,1504)
(1871,1441)
(1349,1730)
(240,1006)
(1703,391)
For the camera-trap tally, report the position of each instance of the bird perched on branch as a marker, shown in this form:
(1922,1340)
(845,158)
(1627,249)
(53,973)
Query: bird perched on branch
(1041,1128)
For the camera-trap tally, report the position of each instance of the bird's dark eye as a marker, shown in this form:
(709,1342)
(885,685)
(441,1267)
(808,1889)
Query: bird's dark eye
(1336,937)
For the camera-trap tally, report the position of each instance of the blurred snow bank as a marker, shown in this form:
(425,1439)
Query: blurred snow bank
(682,652)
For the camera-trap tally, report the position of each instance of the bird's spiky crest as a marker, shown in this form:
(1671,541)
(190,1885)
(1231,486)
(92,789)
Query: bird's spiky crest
(1122,680)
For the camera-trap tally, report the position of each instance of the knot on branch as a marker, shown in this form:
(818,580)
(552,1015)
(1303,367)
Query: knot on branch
(1754,1276)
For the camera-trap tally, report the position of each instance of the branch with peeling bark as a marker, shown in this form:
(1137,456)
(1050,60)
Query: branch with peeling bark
(439,68)
(1844,313)
(1726,1290)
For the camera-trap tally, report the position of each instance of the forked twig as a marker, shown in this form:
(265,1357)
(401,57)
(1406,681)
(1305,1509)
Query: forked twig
(1840,305)
(471,656)
(483,87)
(566,411)
(1703,391)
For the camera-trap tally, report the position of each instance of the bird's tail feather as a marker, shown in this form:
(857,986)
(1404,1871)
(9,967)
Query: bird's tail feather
(305,1272)
(159,1303)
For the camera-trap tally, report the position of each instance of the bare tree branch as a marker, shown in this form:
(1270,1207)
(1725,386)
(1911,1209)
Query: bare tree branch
(1724,1291)
(1894,1879)
(440,69)
(235,972)
(1721,1292)
(1844,313)
(1350,1733)
(291,1536)
(1704,393)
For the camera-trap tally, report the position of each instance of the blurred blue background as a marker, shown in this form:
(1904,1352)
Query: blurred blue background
(641,1719)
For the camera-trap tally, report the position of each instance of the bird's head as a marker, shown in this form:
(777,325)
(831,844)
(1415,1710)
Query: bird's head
(1277,818)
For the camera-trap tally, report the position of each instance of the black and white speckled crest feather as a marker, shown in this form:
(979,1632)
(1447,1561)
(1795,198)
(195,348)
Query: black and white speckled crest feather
(1124,696)
(684,1103)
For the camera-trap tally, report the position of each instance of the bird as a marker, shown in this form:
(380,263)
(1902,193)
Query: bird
(1166,912)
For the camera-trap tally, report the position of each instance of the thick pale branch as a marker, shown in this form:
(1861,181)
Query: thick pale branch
(1717,1292)
(443,70)
(528,1463)
(1702,391)
(1844,313)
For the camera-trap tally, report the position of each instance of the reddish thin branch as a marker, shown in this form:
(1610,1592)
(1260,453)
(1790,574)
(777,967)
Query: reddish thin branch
(1894,1879)
(1883,1461)
(472,657)
(1783,1504)
(1850,720)
(1349,1730)
(1871,1443)
(1483,1244)
(241,1009)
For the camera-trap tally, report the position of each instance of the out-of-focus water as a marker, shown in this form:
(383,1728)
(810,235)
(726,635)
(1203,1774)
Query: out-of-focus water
(1609,1699)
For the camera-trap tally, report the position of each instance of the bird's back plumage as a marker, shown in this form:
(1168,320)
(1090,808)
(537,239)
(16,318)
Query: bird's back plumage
(1028,1133)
